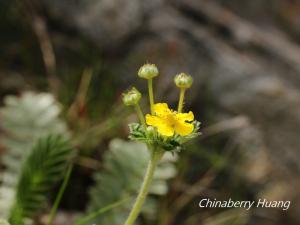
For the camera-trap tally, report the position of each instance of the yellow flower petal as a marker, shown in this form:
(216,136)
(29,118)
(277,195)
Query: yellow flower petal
(184,129)
(185,116)
(161,109)
(161,124)
(165,130)
(153,120)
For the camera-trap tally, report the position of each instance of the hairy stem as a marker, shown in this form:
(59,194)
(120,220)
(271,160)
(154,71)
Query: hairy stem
(156,156)
(140,115)
(181,99)
(151,97)
(60,194)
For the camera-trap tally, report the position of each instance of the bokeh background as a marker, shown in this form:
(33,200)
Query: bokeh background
(245,60)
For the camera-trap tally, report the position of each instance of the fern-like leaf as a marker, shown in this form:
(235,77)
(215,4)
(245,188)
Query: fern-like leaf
(23,121)
(123,168)
(43,167)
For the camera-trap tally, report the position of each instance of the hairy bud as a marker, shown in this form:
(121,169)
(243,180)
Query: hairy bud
(132,97)
(183,80)
(148,71)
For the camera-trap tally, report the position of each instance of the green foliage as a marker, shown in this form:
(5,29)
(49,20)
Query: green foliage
(43,167)
(23,121)
(124,166)
(174,143)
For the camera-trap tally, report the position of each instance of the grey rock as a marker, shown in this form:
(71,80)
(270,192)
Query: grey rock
(106,22)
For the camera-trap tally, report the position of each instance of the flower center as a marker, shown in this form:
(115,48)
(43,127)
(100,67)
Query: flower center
(171,119)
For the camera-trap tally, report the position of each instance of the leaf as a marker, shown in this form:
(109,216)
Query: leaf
(137,132)
(124,166)
(43,167)
(24,120)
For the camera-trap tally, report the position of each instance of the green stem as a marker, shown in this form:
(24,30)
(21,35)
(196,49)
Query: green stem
(140,115)
(151,98)
(181,99)
(93,215)
(60,194)
(156,156)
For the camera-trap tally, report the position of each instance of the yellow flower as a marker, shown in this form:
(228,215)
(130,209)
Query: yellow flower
(169,122)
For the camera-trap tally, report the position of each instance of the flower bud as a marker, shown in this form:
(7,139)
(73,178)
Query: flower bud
(148,71)
(151,131)
(132,97)
(183,80)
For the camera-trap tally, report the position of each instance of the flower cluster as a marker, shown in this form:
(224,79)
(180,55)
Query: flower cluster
(164,128)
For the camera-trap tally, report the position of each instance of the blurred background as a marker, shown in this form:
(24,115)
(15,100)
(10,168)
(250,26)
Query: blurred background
(245,60)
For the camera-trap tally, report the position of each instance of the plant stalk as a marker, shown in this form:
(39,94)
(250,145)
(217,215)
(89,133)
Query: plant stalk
(60,194)
(156,156)
(181,100)
(140,115)
(151,97)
